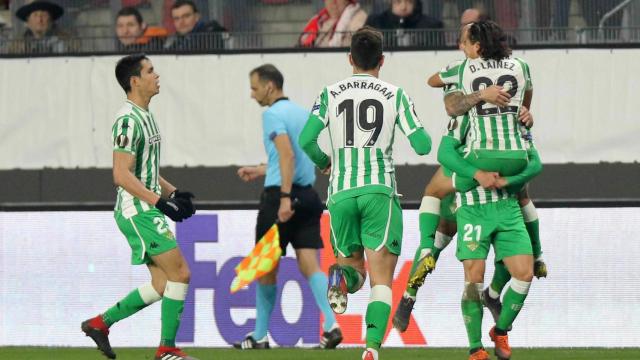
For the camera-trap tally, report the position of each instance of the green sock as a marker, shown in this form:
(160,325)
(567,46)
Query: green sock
(512,303)
(428,219)
(501,277)
(172,307)
(472,313)
(533,228)
(352,277)
(377,316)
(137,300)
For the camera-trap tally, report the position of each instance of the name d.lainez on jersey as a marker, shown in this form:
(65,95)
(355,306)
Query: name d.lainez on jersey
(492,64)
(363,85)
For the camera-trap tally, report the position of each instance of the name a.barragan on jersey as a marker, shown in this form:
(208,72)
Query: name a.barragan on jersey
(363,85)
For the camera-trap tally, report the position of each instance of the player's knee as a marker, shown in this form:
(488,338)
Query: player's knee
(447,228)
(436,191)
(307,269)
(474,278)
(184,275)
(523,200)
(526,275)
(159,285)
(523,273)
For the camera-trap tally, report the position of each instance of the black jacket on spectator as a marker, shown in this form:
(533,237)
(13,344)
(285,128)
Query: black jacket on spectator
(204,36)
(387,21)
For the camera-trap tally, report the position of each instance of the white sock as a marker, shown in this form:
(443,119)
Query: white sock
(176,291)
(148,294)
(493,294)
(529,212)
(441,240)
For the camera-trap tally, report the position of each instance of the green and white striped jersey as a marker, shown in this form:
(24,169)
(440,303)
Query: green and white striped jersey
(492,127)
(461,128)
(136,132)
(361,113)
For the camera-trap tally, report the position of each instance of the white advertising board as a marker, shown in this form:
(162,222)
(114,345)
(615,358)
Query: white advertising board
(59,268)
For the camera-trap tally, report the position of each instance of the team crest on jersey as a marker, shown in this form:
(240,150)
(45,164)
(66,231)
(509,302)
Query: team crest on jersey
(472,246)
(453,124)
(122,140)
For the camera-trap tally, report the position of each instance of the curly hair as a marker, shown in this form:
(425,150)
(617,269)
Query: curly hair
(492,40)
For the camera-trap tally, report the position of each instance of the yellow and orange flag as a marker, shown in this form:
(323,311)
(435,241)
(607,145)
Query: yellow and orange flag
(263,258)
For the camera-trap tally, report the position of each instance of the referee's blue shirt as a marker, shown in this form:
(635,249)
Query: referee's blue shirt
(285,117)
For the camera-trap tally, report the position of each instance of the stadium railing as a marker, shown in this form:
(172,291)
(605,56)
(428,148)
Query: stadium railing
(288,41)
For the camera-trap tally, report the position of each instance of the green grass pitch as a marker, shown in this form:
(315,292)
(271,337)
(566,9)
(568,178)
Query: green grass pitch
(40,353)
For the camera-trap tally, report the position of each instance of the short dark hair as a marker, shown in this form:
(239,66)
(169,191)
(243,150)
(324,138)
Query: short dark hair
(268,72)
(127,67)
(492,40)
(366,48)
(130,11)
(181,3)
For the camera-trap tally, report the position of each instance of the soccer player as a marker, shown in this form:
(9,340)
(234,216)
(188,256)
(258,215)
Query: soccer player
(361,113)
(488,145)
(436,218)
(144,198)
(289,176)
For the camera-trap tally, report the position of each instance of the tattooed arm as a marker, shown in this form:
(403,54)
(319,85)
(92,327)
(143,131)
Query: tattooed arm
(458,103)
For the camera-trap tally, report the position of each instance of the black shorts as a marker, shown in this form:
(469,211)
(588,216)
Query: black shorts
(302,231)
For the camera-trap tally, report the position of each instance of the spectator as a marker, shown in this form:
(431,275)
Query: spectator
(407,15)
(333,25)
(42,35)
(133,33)
(191,32)
(474,15)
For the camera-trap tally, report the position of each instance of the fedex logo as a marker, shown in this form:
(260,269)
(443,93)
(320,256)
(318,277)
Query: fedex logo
(217,276)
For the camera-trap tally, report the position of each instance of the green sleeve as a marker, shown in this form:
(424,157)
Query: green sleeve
(420,141)
(533,169)
(449,157)
(309,142)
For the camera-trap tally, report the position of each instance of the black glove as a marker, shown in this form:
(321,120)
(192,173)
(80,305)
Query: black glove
(184,198)
(173,209)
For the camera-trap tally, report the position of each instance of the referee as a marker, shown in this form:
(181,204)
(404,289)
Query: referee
(289,175)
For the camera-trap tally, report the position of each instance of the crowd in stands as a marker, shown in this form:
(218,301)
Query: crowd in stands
(183,26)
